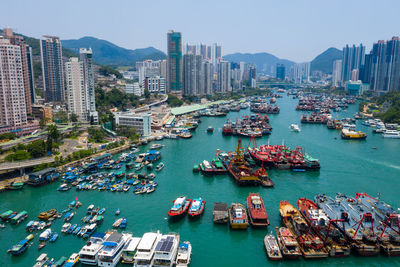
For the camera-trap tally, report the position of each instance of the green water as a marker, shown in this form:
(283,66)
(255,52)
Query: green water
(346,166)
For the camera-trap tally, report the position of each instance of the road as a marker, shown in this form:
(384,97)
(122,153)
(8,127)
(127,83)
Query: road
(24,164)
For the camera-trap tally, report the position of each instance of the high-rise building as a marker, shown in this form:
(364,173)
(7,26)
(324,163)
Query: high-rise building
(353,58)
(224,79)
(337,72)
(27,66)
(52,68)
(354,75)
(385,65)
(208,78)
(174,61)
(300,73)
(192,74)
(155,84)
(280,71)
(86,57)
(164,68)
(148,68)
(13,101)
(76,89)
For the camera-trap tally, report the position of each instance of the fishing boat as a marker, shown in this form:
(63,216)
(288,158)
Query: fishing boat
(64,187)
(19,217)
(53,237)
(60,262)
(71,229)
(272,247)
(287,243)
(41,260)
(117,223)
(68,216)
(44,216)
(72,261)
(180,207)
(15,186)
(156,146)
(350,134)
(19,248)
(311,245)
(117,212)
(45,235)
(150,166)
(65,227)
(160,166)
(257,213)
(196,168)
(206,168)
(185,135)
(386,225)
(347,223)
(123,223)
(4,216)
(42,245)
(318,220)
(238,216)
(184,254)
(197,207)
(210,129)
(218,167)
(294,127)
(90,229)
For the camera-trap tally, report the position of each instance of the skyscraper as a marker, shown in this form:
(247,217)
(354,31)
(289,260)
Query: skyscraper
(12,85)
(385,65)
(174,61)
(52,68)
(76,89)
(27,68)
(280,71)
(86,57)
(192,74)
(353,58)
(224,79)
(337,72)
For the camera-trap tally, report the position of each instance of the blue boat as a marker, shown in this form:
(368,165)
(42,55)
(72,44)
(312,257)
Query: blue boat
(72,229)
(123,223)
(101,211)
(19,248)
(53,237)
(77,230)
(90,229)
(68,216)
(72,204)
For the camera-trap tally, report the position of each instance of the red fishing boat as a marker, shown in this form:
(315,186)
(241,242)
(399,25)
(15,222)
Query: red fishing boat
(257,213)
(197,207)
(180,207)
(227,129)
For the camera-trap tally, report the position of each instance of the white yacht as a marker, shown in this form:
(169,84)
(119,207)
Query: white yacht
(129,250)
(184,253)
(41,260)
(391,134)
(145,249)
(110,253)
(294,127)
(166,250)
(89,253)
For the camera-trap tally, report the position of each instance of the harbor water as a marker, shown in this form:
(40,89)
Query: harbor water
(347,166)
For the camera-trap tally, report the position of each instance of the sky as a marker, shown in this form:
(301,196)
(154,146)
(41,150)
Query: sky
(297,30)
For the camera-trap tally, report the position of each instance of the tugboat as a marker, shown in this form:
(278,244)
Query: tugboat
(238,216)
(317,219)
(197,207)
(387,226)
(272,248)
(180,207)
(287,243)
(257,213)
(311,245)
(346,223)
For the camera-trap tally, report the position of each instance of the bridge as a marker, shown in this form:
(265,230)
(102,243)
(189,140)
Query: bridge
(21,165)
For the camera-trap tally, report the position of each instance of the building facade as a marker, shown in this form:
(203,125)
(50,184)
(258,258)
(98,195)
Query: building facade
(86,57)
(223,74)
(52,68)
(353,58)
(76,90)
(280,71)
(133,88)
(174,62)
(155,84)
(337,73)
(142,122)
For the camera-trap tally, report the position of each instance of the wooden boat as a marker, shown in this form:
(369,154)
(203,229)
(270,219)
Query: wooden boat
(220,213)
(180,207)
(238,216)
(272,247)
(196,207)
(311,245)
(257,213)
(287,243)
(44,216)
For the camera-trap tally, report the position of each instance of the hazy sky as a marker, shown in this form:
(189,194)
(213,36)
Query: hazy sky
(293,29)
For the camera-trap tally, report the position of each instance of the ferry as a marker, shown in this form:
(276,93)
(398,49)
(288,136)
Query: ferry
(391,134)
(238,216)
(110,253)
(311,245)
(145,249)
(180,207)
(89,253)
(386,224)
(346,224)
(184,254)
(166,251)
(317,219)
(349,134)
(257,213)
(72,261)
(197,207)
(272,247)
(129,250)
(287,243)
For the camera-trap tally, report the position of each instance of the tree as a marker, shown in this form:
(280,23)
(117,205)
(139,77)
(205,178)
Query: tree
(36,149)
(91,120)
(42,123)
(18,155)
(147,94)
(53,133)
(96,135)
(73,117)
(61,116)
(174,101)
(129,132)
(111,118)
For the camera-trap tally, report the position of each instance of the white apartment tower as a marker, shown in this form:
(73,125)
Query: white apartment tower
(76,89)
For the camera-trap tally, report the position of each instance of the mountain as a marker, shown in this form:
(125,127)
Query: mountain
(324,61)
(107,53)
(266,63)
